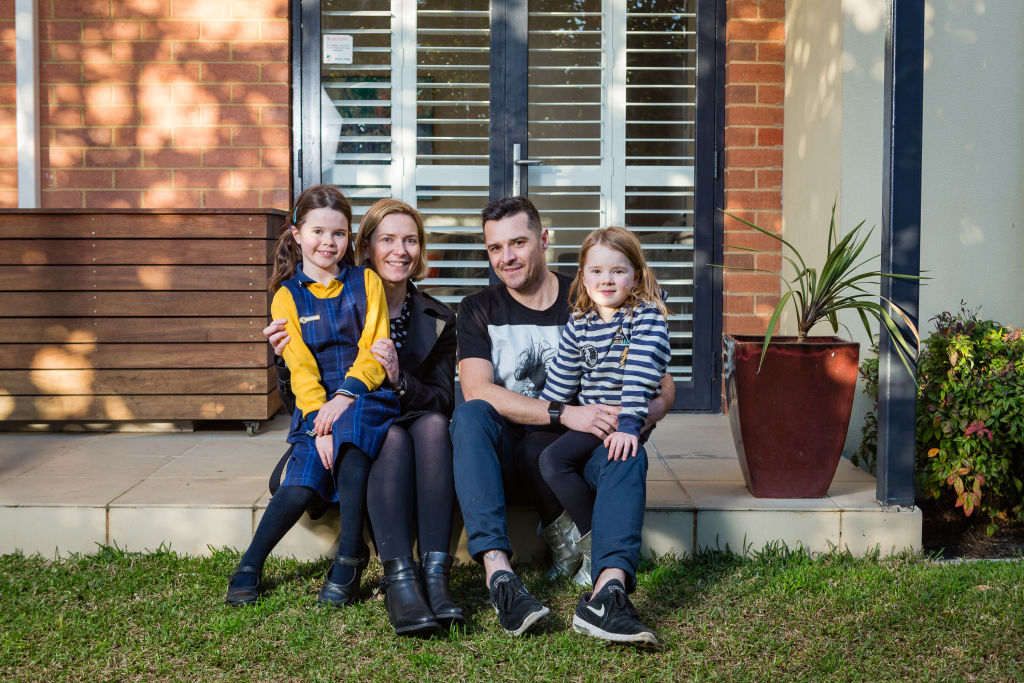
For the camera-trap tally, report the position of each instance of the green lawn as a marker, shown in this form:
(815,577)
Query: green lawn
(157,616)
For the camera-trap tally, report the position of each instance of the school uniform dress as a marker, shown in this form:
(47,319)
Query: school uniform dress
(332,328)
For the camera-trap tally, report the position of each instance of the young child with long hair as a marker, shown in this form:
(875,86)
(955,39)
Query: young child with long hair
(334,313)
(614,351)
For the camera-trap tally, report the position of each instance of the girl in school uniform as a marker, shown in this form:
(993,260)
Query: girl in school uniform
(334,312)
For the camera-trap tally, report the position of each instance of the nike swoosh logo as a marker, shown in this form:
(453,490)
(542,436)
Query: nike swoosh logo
(598,612)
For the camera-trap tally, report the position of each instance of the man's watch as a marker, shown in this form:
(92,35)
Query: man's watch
(555,410)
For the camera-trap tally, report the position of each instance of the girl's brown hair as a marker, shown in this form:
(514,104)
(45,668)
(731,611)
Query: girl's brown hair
(287,254)
(371,221)
(645,289)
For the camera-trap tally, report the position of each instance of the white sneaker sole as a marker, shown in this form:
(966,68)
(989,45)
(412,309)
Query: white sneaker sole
(642,639)
(529,621)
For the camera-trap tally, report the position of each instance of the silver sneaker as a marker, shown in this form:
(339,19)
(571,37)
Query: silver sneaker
(558,536)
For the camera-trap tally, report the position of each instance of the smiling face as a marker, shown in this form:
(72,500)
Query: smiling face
(323,238)
(608,277)
(516,252)
(394,248)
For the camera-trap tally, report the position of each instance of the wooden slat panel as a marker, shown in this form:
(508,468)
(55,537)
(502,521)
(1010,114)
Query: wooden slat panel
(146,278)
(133,304)
(124,330)
(135,252)
(93,382)
(141,225)
(134,407)
(158,356)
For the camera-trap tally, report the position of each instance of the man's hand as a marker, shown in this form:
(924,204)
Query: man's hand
(599,420)
(659,406)
(325,449)
(275,334)
(323,423)
(621,445)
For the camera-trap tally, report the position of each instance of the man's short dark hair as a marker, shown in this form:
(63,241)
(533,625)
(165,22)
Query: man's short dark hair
(512,206)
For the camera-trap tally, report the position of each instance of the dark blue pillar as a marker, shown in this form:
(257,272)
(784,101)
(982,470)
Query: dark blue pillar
(901,242)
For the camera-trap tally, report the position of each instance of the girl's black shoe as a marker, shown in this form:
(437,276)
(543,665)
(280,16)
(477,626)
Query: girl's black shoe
(247,593)
(436,571)
(342,594)
(407,606)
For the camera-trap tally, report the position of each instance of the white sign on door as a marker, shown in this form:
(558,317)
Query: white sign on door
(337,49)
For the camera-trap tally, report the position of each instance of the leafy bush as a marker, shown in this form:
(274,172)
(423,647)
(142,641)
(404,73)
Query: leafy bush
(970,415)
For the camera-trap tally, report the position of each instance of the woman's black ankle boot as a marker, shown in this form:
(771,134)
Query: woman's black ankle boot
(407,606)
(436,569)
(342,594)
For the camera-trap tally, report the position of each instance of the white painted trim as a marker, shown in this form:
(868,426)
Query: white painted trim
(614,113)
(403,100)
(26,32)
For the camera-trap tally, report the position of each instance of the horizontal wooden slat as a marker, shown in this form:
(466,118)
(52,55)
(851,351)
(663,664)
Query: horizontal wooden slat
(157,356)
(135,252)
(133,304)
(95,382)
(135,407)
(140,225)
(124,330)
(147,278)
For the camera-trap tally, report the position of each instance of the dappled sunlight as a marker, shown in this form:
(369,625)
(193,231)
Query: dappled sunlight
(114,408)
(211,410)
(867,16)
(154,277)
(31,257)
(971,234)
(7,403)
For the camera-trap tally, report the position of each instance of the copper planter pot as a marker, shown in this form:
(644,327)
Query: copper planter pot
(789,421)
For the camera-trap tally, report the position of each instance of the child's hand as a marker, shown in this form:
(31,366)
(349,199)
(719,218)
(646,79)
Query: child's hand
(325,449)
(323,423)
(621,445)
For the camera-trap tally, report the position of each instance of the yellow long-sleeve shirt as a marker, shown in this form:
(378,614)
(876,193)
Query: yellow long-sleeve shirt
(365,374)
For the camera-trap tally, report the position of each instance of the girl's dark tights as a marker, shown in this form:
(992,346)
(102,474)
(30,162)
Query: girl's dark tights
(561,464)
(413,470)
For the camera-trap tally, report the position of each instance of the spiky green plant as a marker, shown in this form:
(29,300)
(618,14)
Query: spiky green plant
(840,285)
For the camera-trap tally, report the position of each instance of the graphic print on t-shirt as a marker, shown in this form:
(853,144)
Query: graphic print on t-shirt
(520,355)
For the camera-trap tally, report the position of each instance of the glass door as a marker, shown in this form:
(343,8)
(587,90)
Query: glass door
(590,107)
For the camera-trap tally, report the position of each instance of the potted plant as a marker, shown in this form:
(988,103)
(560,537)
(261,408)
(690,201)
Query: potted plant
(790,398)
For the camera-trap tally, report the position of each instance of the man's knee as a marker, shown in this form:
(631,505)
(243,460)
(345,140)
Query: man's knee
(471,416)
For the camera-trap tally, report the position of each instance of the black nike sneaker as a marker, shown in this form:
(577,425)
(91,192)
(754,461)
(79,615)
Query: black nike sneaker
(610,615)
(517,609)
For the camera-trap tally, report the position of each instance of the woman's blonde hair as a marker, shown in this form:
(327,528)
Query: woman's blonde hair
(371,221)
(287,253)
(645,289)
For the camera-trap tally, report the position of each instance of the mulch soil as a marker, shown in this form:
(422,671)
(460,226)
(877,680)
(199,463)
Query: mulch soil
(948,534)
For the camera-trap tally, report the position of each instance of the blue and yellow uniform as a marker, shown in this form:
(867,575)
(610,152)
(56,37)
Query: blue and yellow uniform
(332,329)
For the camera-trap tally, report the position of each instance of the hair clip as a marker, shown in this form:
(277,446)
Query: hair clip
(295,216)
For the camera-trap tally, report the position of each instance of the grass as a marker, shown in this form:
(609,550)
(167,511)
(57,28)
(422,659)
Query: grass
(781,614)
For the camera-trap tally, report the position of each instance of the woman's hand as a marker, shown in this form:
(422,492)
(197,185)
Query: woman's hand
(323,423)
(621,445)
(384,351)
(275,334)
(325,449)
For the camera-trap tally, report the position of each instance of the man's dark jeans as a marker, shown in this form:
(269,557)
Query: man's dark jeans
(486,460)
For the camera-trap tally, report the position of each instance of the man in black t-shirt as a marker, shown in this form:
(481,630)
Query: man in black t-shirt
(507,335)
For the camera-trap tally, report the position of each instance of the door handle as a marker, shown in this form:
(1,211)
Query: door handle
(517,164)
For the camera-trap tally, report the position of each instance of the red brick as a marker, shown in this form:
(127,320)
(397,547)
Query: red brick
(772,262)
(9,155)
(261,136)
(153,94)
(175,157)
(115,72)
(737,282)
(230,114)
(230,30)
(755,30)
(236,199)
(760,115)
(744,324)
(741,9)
(753,158)
(62,199)
(259,9)
(83,137)
(772,9)
(260,94)
(276,157)
(113,199)
(274,30)
(737,179)
(91,179)
(275,115)
(169,73)
(61,116)
(123,93)
(255,178)
(771,52)
(168,116)
(166,198)
(738,136)
(66,50)
(7,93)
(192,93)
(277,199)
(754,73)
(60,30)
(198,9)
(141,51)
(202,178)
(737,303)
(259,52)
(770,94)
(144,9)
(111,116)
(202,136)
(209,51)
(769,137)
(769,178)
(740,94)
(738,259)
(230,158)
(275,73)
(230,72)
(750,239)
(80,9)
(124,157)
(142,136)
(753,199)
(60,73)
(141,178)
(106,31)
(62,157)
(170,30)
(739,51)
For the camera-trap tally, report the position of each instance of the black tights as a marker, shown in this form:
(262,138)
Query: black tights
(561,464)
(413,467)
(351,470)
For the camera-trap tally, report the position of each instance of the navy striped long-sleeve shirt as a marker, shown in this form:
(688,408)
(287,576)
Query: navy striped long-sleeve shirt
(590,359)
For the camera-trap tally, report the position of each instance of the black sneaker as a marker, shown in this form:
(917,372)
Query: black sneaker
(517,609)
(611,616)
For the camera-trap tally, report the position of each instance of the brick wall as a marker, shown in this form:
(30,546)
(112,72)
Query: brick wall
(157,104)
(754,82)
